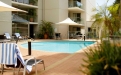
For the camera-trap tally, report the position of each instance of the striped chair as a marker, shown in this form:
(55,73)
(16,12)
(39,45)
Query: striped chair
(10,55)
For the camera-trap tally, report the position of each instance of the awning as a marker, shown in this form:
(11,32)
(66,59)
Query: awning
(16,18)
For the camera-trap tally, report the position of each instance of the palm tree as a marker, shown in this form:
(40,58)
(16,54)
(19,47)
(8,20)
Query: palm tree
(119,9)
(106,19)
(114,17)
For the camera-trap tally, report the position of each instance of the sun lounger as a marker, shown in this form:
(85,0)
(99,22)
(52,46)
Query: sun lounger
(7,36)
(18,36)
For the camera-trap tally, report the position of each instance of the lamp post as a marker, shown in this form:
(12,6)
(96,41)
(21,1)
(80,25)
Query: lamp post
(29,46)
(84,37)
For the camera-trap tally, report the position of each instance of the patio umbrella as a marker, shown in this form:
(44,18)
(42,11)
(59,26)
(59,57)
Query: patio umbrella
(18,19)
(6,7)
(68,21)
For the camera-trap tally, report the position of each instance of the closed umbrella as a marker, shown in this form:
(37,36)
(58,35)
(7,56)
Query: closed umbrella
(6,7)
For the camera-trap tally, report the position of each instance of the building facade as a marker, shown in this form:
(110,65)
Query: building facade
(79,11)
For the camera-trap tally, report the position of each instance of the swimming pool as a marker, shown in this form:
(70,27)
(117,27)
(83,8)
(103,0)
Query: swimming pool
(59,46)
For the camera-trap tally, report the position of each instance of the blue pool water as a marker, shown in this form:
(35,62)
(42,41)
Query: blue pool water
(59,46)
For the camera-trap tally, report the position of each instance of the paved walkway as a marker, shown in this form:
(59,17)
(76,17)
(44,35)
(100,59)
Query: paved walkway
(56,63)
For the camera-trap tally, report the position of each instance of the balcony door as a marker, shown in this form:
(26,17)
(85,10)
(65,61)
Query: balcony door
(77,17)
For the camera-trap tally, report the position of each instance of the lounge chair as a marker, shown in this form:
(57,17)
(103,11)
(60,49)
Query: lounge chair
(18,36)
(11,57)
(7,36)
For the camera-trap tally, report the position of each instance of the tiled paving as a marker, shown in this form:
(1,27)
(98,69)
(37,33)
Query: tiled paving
(55,63)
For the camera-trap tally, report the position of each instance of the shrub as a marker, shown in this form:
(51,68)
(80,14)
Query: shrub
(46,28)
(103,59)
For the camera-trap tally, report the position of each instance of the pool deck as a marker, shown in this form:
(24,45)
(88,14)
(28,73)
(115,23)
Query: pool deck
(55,63)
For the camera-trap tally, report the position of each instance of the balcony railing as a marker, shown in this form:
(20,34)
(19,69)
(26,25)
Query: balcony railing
(28,17)
(31,2)
(75,4)
(77,20)
(75,34)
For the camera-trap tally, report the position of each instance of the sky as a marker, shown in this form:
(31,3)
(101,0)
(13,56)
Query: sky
(101,2)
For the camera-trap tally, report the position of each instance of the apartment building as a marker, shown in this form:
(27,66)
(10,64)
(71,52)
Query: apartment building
(79,11)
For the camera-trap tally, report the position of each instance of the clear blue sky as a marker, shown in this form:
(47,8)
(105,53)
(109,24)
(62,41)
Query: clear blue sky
(101,2)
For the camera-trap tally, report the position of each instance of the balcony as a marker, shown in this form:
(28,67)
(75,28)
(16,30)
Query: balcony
(77,20)
(75,6)
(32,2)
(25,3)
(28,17)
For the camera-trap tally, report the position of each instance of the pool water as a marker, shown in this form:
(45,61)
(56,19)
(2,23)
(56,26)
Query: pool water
(59,46)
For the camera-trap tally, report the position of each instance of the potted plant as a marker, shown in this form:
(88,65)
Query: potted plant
(46,29)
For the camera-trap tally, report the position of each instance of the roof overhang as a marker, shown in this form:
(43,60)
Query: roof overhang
(79,25)
(77,9)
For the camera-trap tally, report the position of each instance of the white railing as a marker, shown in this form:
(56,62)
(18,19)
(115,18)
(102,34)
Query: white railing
(75,34)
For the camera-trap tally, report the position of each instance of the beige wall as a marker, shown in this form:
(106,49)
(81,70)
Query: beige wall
(5,20)
(54,9)
(51,10)
(90,4)
(89,23)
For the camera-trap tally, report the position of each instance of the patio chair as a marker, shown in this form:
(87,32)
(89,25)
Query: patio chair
(11,57)
(78,35)
(18,36)
(7,36)
(58,36)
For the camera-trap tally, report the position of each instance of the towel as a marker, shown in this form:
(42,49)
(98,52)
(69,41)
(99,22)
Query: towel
(8,54)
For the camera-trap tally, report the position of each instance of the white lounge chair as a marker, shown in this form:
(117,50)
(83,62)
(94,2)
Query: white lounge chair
(7,36)
(18,36)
